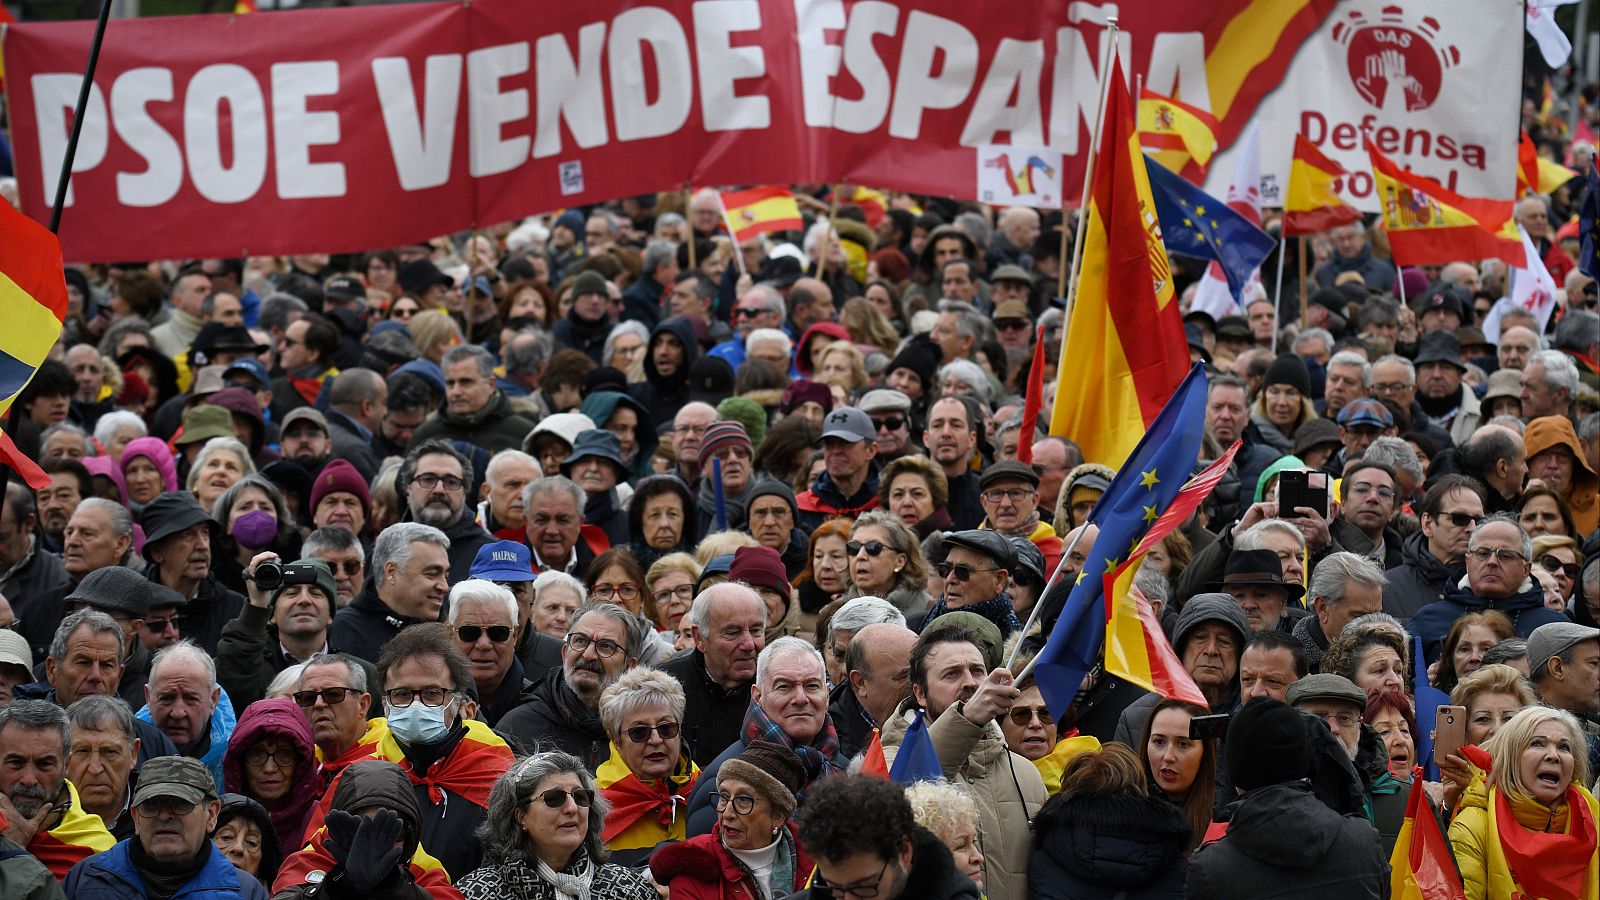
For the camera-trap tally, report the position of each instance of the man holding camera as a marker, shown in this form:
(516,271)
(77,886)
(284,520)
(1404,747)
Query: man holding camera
(284,623)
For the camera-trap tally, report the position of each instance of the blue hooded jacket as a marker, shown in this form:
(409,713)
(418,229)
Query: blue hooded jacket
(220,731)
(111,876)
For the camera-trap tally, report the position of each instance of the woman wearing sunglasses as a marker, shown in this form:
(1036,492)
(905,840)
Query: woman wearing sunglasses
(753,852)
(886,561)
(541,838)
(648,777)
(1559,556)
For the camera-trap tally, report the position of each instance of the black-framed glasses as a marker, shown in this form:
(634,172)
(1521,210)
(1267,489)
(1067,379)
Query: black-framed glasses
(430,696)
(640,734)
(681,592)
(555,798)
(963,572)
(428,481)
(332,696)
(1020,716)
(855,889)
(742,804)
(257,756)
(889,423)
(469,634)
(1552,563)
(873,548)
(1462,520)
(1015,495)
(580,643)
(1505,555)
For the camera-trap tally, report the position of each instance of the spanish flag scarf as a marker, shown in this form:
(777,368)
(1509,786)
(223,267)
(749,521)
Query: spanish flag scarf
(632,798)
(79,835)
(1545,865)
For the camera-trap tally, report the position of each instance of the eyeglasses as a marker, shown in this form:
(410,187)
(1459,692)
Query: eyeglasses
(629,592)
(1551,563)
(350,567)
(1505,555)
(332,696)
(555,798)
(857,889)
(889,423)
(1362,490)
(432,696)
(681,592)
(963,572)
(1343,720)
(580,642)
(1015,495)
(1021,715)
(873,548)
(469,634)
(742,804)
(155,806)
(156,626)
(1462,520)
(428,481)
(1391,387)
(1011,324)
(258,756)
(640,734)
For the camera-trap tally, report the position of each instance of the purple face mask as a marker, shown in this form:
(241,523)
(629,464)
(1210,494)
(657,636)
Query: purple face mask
(255,529)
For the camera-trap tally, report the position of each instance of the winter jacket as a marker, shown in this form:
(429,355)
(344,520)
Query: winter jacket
(1283,842)
(249,656)
(1525,609)
(712,715)
(1378,274)
(555,715)
(824,500)
(283,720)
(495,427)
(30,587)
(933,874)
(586,337)
(515,689)
(966,510)
(111,876)
(212,607)
(1094,846)
(362,628)
(1006,787)
(1308,631)
(702,869)
(313,872)
(1479,855)
(664,395)
(600,406)
(1553,431)
(850,719)
(1418,581)
(517,880)
(219,730)
(24,878)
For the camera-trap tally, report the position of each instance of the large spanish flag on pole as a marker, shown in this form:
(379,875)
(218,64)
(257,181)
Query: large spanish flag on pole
(1429,224)
(1125,351)
(1179,136)
(33,301)
(1312,203)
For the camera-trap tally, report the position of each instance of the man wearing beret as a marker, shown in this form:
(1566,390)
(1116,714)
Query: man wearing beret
(977,571)
(1009,492)
(175,809)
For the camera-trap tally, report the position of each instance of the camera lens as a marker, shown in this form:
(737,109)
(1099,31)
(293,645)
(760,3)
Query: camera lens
(269,575)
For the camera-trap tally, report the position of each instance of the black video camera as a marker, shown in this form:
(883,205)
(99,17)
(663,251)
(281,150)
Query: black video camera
(271,575)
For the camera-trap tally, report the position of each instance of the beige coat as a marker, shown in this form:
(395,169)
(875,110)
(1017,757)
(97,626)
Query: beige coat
(1006,786)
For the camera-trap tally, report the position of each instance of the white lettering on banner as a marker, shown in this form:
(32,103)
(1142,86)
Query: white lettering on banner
(1072,93)
(637,118)
(1015,72)
(422,145)
(1178,67)
(819,58)
(489,109)
(298,129)
(721,64)
(163,175)
(569,91)
(211,87)
(55,96)
(868,19)
(917,88)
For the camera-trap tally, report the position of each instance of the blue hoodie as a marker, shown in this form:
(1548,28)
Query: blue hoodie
(221,730)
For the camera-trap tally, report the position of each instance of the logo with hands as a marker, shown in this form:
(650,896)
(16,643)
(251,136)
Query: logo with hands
(1395,63)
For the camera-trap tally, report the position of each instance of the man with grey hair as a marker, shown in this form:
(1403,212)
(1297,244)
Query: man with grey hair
(502,505)
(105,750)
(435,478)
(759,307)
(525,356)
(729,622)
(1499,557)
(1549,385)
(788,705)
(475,409)
(958,331)
(1348,375)
(182,700)
(483,619)
(850,618)
(1314,343)
(604,641)
(771,346)
(36,799)
(334,693)
(658,269)
(1397,454)
(876,665)
(1343,586)
(339,547)
(410,579)
(357,401)
(1578,336)
(553,511)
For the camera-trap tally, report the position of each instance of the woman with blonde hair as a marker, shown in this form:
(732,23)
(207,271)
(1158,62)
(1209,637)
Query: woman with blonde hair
(1493,695)
(671,581)
(434,332)
(868,325)
(1526,826)
(843,366)
(949,812)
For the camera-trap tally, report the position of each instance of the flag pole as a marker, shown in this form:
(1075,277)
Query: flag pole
(1038,605)
(1067,286)
(733,235)
(1277,292)
(1303,277)
(688,207)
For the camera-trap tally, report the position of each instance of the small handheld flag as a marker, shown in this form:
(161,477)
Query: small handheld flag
(759,210)
(1193,223)
(1312,203)
(916,760)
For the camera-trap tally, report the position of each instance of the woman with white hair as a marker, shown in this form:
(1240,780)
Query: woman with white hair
(951,814)
(222,461)
(963,376)
(649,777)
(556,596)
(115,429)
(541,838)
(624,349)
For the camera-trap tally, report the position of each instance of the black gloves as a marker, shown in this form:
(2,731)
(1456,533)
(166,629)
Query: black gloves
(367,847)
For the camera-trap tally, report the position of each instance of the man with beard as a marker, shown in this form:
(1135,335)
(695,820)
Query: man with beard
(304,440)
(435,477)
(105,751)
(950,436)
(39,805)
(177,544)
(182,700)
(603,642)
(730,624)
(410,579)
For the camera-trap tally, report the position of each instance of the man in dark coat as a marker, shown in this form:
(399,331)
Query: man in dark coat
(26,569)
(1498,567)
(596,466)
(586,326)
(178,537)
(475,410)
(436,478)
(729,622)
(409,583)
(671,351)
(1435,557)
(641,302)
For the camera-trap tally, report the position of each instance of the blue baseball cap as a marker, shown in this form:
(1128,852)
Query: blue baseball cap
(503,561)
(1365,411)
(251,367)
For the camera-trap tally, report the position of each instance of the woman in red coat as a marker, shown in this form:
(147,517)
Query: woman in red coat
(753,852)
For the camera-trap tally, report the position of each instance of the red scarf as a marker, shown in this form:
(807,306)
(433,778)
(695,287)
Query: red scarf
(632,800)
(1546,864)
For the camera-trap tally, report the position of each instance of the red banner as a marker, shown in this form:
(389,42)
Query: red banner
(344,129)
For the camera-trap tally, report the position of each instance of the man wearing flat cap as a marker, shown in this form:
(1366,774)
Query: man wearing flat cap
(177,543)
(1564,667)
(125,596)
(890,411)
(977,572)
(175,808)
(1009,493)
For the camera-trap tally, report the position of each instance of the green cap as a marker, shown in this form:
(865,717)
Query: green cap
(324,581)
(205,421)
(989,633)
(179,777)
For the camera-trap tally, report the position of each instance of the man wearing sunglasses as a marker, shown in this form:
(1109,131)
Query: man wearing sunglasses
(563,708)
(890,411)
(483,618)
(1499,556)
(276,629)
(1436,556)
(977,572)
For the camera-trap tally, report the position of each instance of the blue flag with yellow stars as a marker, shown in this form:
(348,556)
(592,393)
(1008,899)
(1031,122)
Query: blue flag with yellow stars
(1194,223)
(1144,487)
(1588,222)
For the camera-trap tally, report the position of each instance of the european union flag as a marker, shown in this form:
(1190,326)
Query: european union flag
(1428,700)
(1144,487)
(1193,223)
(1588,223)
(916,760)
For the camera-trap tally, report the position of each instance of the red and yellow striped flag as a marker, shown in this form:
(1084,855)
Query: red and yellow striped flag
(1124,352)
(1421,867)
(1537,175)
(1429,224)
(80,835)
(1182,138)
(1311,203)
(33,301)
(240,7)
(759,210)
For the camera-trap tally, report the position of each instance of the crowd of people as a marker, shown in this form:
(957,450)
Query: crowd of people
(592,556)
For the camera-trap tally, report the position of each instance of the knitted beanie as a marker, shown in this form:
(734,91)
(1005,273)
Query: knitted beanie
(761,567)
(1267,744)
(748,413)
(773,770)
(720,436)
(1291,370)
(339,476)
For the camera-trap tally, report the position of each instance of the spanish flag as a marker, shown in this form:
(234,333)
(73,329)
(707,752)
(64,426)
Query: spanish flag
(1421,866)
(760,210)
(1537,175)
(240,7)
(1312,204)
(1125,351)
(33,301)
(1182,138)
(1429,224)
(79,835)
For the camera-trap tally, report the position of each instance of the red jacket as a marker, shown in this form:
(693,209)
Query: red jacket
(702,869)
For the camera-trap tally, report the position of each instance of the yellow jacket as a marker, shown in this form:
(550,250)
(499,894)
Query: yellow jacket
(1479,854)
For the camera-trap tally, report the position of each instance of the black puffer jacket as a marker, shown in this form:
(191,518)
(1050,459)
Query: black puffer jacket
(1420,580)
(1108,845)
(362,628)
(1283,842)
(555,716)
